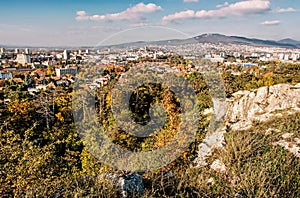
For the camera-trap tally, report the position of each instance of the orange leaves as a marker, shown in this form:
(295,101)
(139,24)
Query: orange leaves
(60,117)
(20,110)
(64,102)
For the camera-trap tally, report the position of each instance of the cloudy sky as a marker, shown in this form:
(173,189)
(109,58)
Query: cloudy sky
(90,22)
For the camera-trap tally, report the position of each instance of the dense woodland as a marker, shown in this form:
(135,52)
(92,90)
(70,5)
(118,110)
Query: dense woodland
(42,155)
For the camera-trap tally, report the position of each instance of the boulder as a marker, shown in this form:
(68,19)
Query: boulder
(129,185)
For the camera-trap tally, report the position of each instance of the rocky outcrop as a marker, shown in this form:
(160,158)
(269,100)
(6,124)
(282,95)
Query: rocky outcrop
(293,146)
(246,107)
(130,185)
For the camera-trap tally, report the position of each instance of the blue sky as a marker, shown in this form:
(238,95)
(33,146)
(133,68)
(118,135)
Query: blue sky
(88,22)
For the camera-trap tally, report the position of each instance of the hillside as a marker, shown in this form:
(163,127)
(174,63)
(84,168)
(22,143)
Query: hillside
(219,38)
(246,109)
(216,39)
(289,41)
(43,155)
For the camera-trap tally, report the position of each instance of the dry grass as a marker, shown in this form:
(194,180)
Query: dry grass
(254,168)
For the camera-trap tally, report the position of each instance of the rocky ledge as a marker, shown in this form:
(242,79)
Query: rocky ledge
(246,107)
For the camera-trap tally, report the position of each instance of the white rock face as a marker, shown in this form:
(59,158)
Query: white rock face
(260,105)
(218,166)
(245,107)
(212,141)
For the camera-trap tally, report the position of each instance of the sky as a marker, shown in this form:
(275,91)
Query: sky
(96,22)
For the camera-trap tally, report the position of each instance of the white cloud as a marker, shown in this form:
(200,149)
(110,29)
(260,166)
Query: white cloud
(179,15)
(131,13)
(223,5)
(240,8)
(81,16)
(283,10)
(138,25)
(275,22)
(189,1)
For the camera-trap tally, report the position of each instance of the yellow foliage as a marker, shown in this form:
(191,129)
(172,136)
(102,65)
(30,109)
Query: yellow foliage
(60,117)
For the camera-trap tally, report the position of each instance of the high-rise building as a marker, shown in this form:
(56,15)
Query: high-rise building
(281,56)
(222,54)
(66,55)
(16,51)
(295,57)
(286,57)
(2,50)
(236,54)
(27,51)
(23,59)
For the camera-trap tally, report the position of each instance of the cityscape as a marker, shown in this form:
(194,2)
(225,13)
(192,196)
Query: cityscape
(190,98)
(47,67)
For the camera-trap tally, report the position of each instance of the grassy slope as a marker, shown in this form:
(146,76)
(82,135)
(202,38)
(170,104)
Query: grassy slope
(255,167)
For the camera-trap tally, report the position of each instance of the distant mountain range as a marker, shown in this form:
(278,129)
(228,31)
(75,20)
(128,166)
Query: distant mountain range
(290,41)
(219,38)
(216,39)
(204,38)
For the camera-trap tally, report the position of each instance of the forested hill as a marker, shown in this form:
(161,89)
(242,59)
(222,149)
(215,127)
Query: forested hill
(42,155)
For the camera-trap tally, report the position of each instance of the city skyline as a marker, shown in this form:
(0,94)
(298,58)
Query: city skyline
(88,23)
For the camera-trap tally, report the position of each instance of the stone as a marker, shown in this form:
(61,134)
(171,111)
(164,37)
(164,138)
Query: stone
(271,130)
(237,195)
(168,175)
(208,111)
(289,146)
(212,141)
(287,135)
(130,185)
(211,181)
(218,166)
(297,140)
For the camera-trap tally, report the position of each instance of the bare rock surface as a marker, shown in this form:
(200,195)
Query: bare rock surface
(246,107)
(130,185)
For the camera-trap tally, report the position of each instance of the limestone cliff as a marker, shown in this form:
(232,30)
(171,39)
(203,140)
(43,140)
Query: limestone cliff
(246,107)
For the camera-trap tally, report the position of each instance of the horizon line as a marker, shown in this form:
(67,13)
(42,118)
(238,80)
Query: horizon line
(11,46)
